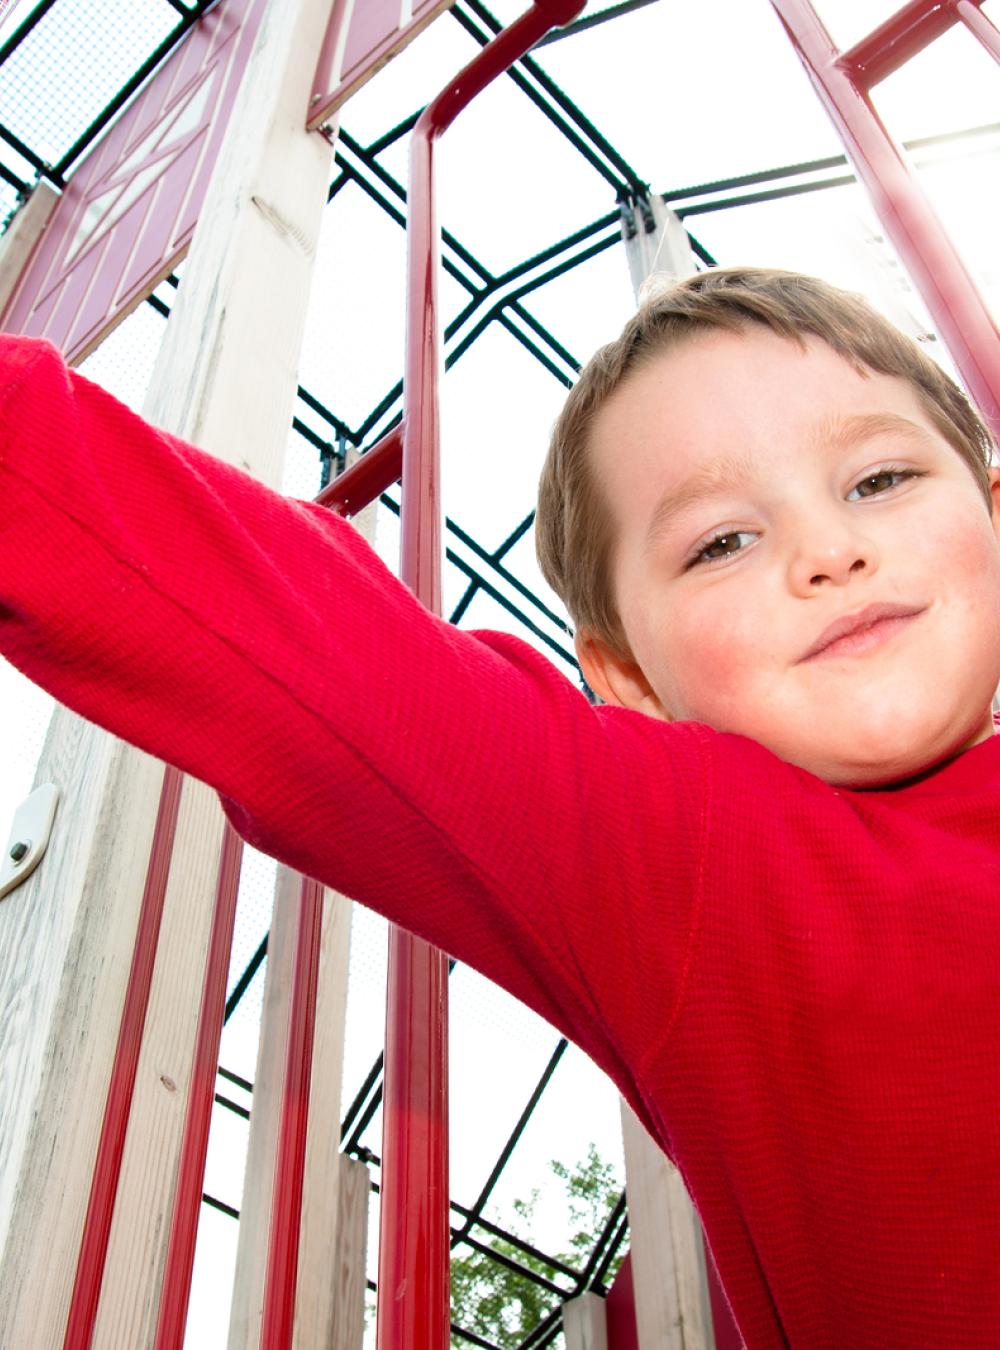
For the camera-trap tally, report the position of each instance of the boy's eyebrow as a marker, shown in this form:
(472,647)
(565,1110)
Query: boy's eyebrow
(733,470)
(720,473)
(847,432)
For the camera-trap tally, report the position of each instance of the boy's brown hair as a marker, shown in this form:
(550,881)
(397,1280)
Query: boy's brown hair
(572,529)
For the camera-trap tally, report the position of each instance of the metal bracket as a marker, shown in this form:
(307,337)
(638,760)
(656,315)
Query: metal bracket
(29,837)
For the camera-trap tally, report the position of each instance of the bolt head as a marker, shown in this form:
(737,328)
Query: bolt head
(19,851)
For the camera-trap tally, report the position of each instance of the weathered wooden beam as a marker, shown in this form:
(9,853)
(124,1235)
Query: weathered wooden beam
(22,234)
(66,939)
(330,1247)
(585,1323)
(346,1264)
(255,1206)
(672,1309)
(129,1304)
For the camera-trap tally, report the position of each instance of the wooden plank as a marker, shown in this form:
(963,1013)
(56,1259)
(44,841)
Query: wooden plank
(18,241)
(320,1237)
(66,939)
(668,1255)
(585,1323)
(332,1246)
(255,1207)
(347,1280)
(138,1232)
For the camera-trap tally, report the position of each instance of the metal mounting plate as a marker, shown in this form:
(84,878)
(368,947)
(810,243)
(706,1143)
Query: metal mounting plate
(29,837)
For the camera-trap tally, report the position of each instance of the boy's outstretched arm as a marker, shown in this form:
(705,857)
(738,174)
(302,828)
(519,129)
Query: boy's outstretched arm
(458,784)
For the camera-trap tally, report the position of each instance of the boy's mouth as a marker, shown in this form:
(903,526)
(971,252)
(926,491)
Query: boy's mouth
(860,632)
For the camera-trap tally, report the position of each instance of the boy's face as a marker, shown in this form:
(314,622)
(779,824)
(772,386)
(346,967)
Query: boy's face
(799,556)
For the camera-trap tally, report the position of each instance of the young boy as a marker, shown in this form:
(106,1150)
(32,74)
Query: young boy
(768,908)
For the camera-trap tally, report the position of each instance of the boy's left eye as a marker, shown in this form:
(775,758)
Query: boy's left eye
(874,483)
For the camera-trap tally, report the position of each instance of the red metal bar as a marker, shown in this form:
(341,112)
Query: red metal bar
(286,1197)
(958,310)
(176,1289)
(413,1283)
(367,478)
(895,41)
(979,25)
(107,1166)
(908,31)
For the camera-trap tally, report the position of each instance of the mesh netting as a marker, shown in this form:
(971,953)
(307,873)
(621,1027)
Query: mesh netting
(68,68)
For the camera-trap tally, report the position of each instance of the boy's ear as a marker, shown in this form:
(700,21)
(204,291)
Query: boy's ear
(995,495)
(614,678)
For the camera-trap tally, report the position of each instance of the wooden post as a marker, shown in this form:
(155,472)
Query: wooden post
(21,236)
(585,1323)
(251,1251)
(658,243)
(219,384)
(226,378)
(66,938)
(331,1283)
(345,1269)
(669,1280)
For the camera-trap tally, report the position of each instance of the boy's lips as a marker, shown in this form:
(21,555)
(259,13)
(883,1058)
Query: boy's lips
(859,632)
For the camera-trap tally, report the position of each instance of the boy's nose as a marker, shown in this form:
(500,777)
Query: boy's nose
(830,554)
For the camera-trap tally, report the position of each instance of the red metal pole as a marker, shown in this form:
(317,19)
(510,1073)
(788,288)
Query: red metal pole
(286,1197)
(176,1290)
(107,1166)
(413,1284)
(897,39)
(958,310)
(979,25)
(367,478)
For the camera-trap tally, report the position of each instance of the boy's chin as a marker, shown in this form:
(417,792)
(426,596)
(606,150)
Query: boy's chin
(894,759)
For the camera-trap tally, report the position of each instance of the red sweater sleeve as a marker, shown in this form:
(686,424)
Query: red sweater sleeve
(457,783)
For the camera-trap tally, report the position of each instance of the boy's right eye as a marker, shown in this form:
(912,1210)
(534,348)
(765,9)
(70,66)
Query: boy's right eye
(723,545)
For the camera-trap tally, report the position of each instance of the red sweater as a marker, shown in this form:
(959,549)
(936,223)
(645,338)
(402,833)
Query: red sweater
(798,988)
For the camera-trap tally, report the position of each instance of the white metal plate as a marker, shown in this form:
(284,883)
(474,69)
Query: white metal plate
(32,827)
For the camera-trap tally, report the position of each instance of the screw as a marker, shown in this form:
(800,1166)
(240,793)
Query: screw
(19,850)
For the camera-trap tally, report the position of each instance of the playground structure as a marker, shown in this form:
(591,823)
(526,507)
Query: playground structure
(415,1243)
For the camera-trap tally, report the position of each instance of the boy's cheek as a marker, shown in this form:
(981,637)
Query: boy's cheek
(713,663)
(973,573)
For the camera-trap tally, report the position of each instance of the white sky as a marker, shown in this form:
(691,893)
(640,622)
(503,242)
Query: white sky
(688,93)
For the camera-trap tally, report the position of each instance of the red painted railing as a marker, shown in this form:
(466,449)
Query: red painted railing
(843,81)
(413,1297)
(111,1145)
(176,1288)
